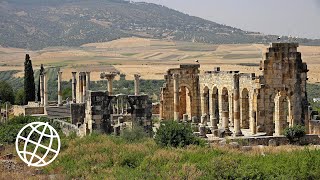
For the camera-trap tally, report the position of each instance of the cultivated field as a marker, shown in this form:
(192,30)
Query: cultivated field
(149,57)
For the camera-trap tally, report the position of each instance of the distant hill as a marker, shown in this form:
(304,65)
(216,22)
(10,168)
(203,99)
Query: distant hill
(36,24)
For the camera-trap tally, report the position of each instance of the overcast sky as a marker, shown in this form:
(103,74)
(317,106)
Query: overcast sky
(282,17)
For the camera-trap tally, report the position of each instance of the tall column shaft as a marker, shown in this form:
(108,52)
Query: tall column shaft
(45,89)
(87,83)
(80,98)
(41,89)
(59,89)
(236,104)
(74,87)
(137,84)
(225,120)
(176,97)
(84,88)
(213,113)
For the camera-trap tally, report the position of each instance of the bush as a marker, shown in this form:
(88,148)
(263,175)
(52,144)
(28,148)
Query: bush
(295,133)
(174,134)
(6,92)
(10,130)
(135,134)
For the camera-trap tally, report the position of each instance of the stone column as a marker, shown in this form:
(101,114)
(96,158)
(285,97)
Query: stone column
(45,89)
(41,89)
(87,83)
(213,114)
(110,78)
(253,123)
(80,90)
(59,89)
(176,96)
(225,121)
(74,87)
(136,84)
(236,104)
(84,88)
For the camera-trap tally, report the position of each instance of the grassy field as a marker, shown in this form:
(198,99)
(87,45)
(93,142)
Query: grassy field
(106,157)
(149,57)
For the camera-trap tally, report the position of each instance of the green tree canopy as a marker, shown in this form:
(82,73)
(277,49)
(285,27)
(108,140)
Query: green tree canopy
(29,85)
(6,92)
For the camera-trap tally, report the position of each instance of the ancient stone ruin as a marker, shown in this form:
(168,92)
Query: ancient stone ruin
(230,102)
(219,103)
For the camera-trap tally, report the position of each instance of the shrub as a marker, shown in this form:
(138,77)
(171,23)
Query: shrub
(135,134)
(174,134)
(295,133)
(6,92)
(10,130)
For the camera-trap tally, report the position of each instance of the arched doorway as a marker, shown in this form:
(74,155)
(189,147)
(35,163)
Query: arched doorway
(245,109)
(215,104)
(281,113)
(185,102)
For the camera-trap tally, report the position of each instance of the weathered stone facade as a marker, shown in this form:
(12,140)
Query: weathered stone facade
(267,103)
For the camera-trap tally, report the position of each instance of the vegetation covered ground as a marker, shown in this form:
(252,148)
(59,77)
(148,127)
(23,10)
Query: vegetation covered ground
(107,157)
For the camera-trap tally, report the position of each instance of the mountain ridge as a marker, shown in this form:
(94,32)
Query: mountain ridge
(37,24)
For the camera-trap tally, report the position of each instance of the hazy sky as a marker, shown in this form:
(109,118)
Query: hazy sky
(283,17)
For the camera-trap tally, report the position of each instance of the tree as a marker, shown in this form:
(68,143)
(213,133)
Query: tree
(29,85)
(19,98)
(6,92)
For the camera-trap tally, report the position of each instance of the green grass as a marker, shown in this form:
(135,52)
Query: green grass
(107,157)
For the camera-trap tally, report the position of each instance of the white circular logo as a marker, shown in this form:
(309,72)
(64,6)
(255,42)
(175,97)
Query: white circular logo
(32,144)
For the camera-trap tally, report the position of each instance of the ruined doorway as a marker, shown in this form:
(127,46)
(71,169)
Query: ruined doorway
(245,109)
(281,113)
(185,102)
(215,103)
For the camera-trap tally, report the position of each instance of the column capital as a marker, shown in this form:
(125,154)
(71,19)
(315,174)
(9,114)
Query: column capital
(175,76)
(109,76)
(137,76)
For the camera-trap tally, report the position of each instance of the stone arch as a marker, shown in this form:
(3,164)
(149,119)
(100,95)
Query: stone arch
(225,99)
(215,103)
(205,101)
(245,108)
(281,112)
(185,100)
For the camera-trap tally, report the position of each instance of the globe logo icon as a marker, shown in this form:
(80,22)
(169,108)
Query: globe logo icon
(38,144)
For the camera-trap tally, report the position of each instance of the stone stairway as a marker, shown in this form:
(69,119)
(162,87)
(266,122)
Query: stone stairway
(58,112)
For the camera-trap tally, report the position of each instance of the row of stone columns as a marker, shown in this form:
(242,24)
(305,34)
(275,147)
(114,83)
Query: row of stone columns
(83,84)
(110,77)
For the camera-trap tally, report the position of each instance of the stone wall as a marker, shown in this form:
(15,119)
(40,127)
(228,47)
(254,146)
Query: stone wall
(266,103)
(314,127)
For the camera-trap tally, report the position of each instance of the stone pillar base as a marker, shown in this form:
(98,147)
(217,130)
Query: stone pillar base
(202,130)
(214,131)
(237,133)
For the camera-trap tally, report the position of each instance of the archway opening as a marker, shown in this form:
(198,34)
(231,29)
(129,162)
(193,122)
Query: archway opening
(215,104)
(185,102)
(245,109)
(281,114)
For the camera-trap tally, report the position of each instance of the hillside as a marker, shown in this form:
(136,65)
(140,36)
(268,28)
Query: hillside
(37,24)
